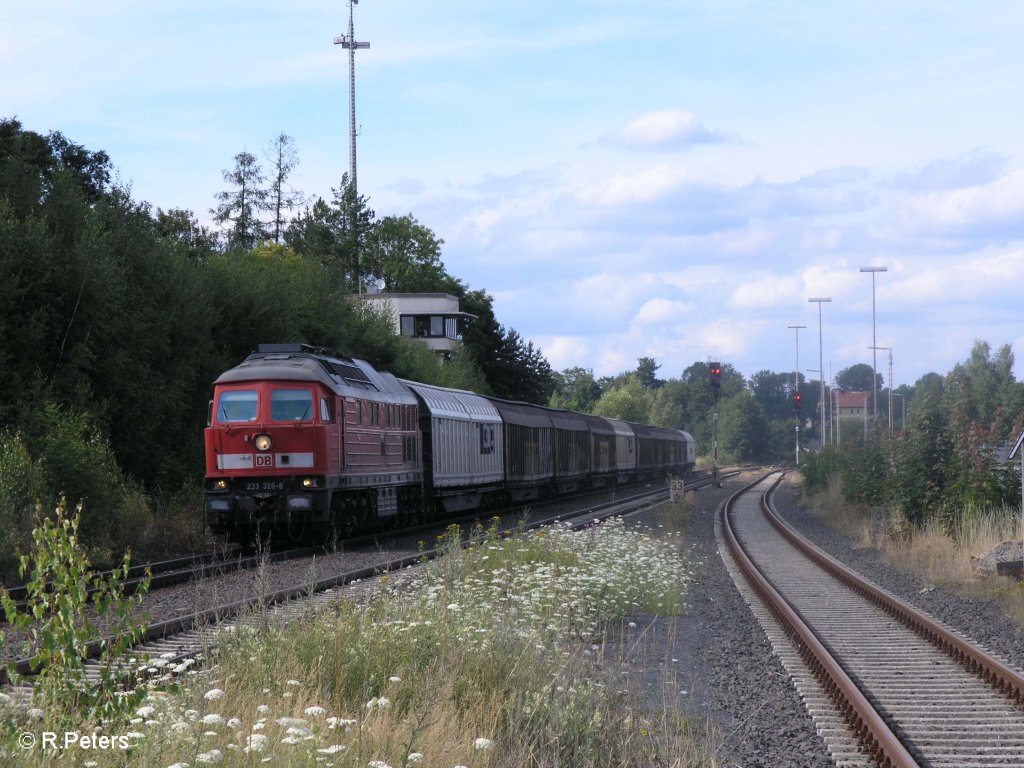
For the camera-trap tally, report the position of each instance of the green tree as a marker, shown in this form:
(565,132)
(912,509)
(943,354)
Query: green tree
(646,373)
(774,393)
(667,407)
(238,209)
(281,196)
(857,378)
(743,428)
(405,254)
(575,390)
(181,228)
(628,401)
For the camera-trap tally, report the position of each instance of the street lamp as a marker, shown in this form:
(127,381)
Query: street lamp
(821,364)
(874,356)
(796,389)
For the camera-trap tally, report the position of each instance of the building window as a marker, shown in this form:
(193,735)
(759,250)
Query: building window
(428,326)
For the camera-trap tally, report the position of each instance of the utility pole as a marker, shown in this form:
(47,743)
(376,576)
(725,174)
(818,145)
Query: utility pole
(821,364)
(889,350)
(796,389)
(349,41)
(874,340)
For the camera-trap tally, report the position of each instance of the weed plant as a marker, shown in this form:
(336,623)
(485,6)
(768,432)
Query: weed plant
(491,656)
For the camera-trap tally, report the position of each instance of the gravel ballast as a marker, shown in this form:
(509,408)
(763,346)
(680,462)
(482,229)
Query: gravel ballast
(716,663)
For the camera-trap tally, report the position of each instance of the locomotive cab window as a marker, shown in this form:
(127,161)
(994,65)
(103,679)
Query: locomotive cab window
(326,416)
(238,405)
(291,405)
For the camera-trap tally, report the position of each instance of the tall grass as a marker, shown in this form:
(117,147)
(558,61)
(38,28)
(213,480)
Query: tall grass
(940,551)
(492,656)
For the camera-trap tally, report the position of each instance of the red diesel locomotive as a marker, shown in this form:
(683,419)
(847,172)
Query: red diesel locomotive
(309,446)
(301,442)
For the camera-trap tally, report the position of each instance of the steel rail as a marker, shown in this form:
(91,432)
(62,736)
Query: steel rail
(875,734)
(164,629)
(990,669)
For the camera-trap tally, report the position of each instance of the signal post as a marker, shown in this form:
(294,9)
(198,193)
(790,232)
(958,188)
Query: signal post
(715,382)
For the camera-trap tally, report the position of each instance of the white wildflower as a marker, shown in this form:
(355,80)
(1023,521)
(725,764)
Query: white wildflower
(212,719)
(145,712)
(482,743)
(212,757)
(257,742)
(414,758)
(214,694)
(315,711)
(394,679)
(263,710)
(333,749)
(294,683)
(378,764)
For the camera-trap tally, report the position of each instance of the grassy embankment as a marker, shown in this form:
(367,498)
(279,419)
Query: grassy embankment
(932,552)
(496,655)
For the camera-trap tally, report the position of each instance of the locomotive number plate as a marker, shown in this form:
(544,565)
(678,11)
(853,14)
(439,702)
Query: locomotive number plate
(265,485)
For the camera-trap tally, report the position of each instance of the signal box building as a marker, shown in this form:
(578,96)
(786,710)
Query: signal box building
(433,318)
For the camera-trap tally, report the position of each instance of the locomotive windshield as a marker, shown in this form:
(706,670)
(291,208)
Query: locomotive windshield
(291,405)
(237,405)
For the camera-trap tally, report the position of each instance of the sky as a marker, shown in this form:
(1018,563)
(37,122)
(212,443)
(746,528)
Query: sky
(659,178)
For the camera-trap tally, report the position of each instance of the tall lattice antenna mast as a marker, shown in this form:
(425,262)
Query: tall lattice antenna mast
(349,41)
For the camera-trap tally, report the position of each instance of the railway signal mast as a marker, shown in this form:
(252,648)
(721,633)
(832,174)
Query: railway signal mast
(349,41)
(715,382)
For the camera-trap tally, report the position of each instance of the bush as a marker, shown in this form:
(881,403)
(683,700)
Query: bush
(62,453)
(21,483)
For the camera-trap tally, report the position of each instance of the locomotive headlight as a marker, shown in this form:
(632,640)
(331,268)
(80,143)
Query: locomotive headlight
(262,442)
(310,482)
(220,485)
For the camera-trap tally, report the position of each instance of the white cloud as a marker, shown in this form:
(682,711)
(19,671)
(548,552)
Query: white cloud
(665,129)
(997,205)
(767,292)
(659,311)
(566,351)
(642,187)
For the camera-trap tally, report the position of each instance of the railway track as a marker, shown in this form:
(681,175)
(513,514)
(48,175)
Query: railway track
(172,642)
(885,684)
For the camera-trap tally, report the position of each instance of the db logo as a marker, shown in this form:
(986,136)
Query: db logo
(263,460)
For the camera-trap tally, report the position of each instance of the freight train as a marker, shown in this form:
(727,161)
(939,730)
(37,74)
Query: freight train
(307,445)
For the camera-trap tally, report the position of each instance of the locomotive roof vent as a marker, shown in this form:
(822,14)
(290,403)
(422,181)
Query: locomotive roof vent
(290,348)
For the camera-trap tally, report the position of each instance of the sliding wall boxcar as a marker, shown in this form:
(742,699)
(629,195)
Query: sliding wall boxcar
(529,449)
(625,451)
(463,454)
(602,451)
(572,450)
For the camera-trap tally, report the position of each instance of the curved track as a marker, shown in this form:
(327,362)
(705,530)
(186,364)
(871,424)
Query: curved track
(885,684)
